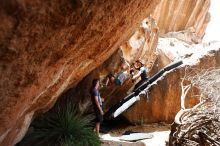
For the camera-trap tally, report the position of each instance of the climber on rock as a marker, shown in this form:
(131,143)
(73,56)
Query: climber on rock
(120,77)
(97,103)
(142,72)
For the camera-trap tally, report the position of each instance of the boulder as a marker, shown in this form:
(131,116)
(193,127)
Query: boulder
(173,15)
(141,45)
(163,99)
(49,46)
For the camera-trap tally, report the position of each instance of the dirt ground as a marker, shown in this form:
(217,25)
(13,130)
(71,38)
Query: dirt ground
(159,131)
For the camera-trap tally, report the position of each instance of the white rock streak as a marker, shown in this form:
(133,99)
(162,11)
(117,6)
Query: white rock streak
(190,54)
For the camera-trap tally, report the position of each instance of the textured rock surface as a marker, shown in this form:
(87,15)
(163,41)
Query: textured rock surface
(188,18)
(142,45)
(173,15)
(49,46)
(46,47)
(164,98)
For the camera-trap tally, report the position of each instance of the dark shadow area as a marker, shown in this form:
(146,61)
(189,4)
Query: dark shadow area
(116,123)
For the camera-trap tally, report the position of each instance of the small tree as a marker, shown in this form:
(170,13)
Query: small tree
(199,125)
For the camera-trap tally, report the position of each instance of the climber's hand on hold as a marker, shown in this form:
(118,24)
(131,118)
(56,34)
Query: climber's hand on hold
(132,71)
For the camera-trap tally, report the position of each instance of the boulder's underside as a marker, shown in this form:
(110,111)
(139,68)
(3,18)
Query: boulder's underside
(48,47)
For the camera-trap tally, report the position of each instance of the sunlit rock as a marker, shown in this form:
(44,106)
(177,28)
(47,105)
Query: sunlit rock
(173,15)
(163,99)
(49,46)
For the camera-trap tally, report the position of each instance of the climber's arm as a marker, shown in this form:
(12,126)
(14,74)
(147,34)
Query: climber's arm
(136,76)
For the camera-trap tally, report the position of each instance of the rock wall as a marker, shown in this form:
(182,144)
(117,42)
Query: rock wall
(190,19)
(163,100)
(141,45)
(49,46)
(173,15)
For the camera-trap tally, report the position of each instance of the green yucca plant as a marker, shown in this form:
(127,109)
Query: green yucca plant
(64,126)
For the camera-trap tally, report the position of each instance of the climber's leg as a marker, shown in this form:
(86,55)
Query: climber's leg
(141,82)
(138,84)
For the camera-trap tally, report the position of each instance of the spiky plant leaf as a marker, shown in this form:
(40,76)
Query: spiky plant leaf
(64,126)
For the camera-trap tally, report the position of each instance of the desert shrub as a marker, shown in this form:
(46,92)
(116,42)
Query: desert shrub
(63,126)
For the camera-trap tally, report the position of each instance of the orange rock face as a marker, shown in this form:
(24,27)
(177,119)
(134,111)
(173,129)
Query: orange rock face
(142,45)
(173,15)
(49,46)
(163,100)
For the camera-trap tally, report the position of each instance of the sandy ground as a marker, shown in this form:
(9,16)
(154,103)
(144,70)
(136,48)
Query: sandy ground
(160,134)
